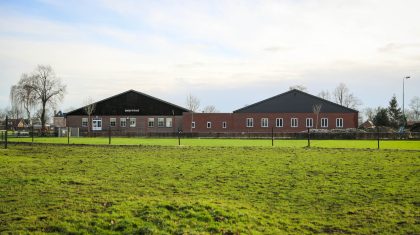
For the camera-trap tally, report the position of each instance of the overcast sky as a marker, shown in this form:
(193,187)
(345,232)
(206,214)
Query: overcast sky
(227,53)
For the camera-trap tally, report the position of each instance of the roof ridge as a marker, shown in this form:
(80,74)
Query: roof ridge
(125,92)
(299,91)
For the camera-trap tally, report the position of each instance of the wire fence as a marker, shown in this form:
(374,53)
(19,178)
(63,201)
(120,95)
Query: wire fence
(73,135)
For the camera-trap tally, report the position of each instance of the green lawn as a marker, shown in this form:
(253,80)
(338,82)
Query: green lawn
(201,190)
(363,144)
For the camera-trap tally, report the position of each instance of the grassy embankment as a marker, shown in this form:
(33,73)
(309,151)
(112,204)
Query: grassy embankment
(152,189)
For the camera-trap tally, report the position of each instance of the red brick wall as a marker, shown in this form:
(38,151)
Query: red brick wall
(236,122)
(141,124)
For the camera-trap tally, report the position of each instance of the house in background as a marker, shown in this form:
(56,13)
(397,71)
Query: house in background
(17,124)
(59,119)
(292,111)
(367,125)
(130,112)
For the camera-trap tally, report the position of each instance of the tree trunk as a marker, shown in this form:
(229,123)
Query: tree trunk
(43,129)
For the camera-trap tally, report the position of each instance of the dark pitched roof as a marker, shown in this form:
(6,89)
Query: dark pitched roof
(294,101)
(132,102)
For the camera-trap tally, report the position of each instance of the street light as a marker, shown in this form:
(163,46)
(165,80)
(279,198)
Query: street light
(407,77)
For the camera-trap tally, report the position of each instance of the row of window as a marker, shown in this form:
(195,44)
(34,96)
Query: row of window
(161,122)
(294,122)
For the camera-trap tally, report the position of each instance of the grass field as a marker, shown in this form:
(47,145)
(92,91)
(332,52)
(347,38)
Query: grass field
(201,190)
(362,144)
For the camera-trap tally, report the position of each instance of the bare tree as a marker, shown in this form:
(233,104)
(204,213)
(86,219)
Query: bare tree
(415,107)
(343,97)
(370,113)
(324,95)
(47,88)
(299,87)
(340,92)
(193,103)
(89,108)
(351,101)
(316,108)
(15,110)
(210,109)
(23,94)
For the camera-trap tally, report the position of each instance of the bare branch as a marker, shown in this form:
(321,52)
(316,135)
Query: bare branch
(210,109)
(193,103)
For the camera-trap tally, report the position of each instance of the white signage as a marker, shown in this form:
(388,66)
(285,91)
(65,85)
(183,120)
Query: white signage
(132,110)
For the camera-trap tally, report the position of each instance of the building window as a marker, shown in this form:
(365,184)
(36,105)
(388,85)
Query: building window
(161,122)
(84,122)
(294,122)
(192,124)
(168,122)
(264,122)
(132,122)
(339,122)
(324,122)
(309,122)
(208,124)
(224,125)
(123,122)
(279,122)
(249,122)
(151,122)
(112,122)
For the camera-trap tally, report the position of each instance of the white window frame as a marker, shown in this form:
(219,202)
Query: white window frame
(279,122)
(85,122)
(133,122)
(324,122)
(309,122)
(123,122)
(339,121)
(113,122)
(250,122)
(224,125)
(294,122)
(168,122)
(150,122)
(161,122)
(264,122)
(192,124)
(208,125)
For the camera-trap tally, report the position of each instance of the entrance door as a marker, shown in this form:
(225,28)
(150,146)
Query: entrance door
(97,124)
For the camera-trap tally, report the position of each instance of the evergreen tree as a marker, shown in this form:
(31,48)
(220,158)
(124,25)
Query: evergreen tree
(381,118)
(395,114)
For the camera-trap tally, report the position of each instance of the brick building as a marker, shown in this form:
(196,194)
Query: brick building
(292,111)
(136,113)
(130,112)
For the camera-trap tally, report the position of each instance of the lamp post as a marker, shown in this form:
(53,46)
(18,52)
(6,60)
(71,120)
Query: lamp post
(407,77)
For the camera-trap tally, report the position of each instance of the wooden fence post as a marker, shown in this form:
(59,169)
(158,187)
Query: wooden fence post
(68,135)
(179,137)
(377,129)
(309,138)
(32,130)
(272,136)
(5,137)
(109,134)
